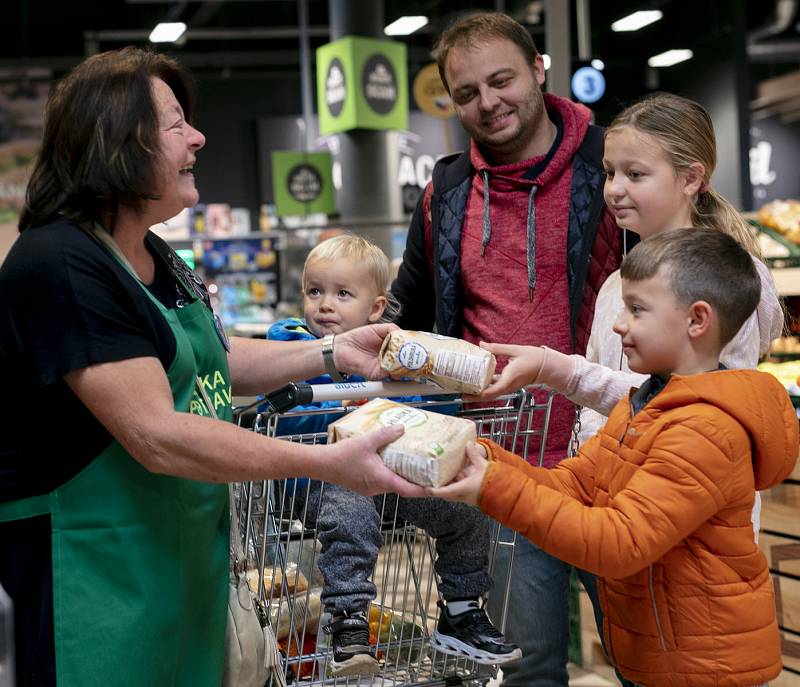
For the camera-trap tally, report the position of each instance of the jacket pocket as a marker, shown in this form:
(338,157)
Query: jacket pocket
(659,607)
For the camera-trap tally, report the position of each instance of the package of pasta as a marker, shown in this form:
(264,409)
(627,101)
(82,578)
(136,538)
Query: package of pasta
(453,364)
(430,452)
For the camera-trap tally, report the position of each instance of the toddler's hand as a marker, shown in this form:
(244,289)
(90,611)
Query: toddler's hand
(466,486)
(523,368)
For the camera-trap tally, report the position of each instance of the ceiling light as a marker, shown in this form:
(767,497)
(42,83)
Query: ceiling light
(598,64)
(667,59)
(546,60)
(637,20)
(167,32)
(405,26)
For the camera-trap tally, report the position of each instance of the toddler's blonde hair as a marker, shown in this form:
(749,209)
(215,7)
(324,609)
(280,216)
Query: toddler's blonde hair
(352,247)
(685,132)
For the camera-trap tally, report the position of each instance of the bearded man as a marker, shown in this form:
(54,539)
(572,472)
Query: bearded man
(510,242)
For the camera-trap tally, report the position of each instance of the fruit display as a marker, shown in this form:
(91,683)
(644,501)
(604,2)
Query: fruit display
(783,216)
(785,345)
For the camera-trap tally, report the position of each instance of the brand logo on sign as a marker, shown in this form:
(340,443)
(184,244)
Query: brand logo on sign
(760,158)
(380,84)
(335,87)
(304,183)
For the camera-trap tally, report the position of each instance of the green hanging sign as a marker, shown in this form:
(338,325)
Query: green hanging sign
(362,83)
(302,183)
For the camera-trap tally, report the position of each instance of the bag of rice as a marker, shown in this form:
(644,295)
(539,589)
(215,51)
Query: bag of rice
(430,452)
(453,364)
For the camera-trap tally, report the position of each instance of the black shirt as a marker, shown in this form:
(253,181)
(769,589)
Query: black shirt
(65,304)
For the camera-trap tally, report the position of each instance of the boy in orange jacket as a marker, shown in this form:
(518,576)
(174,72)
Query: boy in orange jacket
(658,503)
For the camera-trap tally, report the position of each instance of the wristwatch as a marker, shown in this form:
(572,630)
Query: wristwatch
(327,358)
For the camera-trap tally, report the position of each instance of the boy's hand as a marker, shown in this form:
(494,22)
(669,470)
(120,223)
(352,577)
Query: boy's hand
(356,351)
(466,486)
(522,369)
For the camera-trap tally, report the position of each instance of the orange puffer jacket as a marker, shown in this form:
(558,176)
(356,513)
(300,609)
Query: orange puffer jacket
(658,505)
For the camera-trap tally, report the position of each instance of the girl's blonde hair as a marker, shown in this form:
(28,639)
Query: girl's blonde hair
(685,132)
(351,247)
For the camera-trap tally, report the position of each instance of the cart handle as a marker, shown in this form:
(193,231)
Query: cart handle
(295,394)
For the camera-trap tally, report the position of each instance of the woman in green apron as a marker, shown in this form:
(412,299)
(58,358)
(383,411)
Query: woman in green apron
(113,503)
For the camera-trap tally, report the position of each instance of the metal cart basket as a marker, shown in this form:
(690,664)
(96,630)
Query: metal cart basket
(281,545)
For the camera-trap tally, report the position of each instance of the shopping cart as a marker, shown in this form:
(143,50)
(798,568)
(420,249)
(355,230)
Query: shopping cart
(281,545)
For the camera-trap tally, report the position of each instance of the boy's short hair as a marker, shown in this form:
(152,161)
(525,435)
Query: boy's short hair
(352,247)
(705,265)
(482,26)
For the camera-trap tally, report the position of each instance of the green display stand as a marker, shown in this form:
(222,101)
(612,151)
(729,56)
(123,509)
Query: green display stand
(362,83)
(302,183)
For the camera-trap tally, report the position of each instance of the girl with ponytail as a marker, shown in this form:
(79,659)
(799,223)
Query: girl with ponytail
(659,156)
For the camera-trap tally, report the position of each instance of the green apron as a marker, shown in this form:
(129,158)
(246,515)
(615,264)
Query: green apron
(140,561)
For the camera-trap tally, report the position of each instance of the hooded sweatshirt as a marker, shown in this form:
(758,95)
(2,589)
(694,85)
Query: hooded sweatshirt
(514,252)
(658,506)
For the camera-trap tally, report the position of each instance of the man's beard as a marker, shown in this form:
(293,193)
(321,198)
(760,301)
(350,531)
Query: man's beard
(529,115)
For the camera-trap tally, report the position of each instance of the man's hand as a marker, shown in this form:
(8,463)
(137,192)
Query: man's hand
(355,464)
(467,484)
(356,351)
(522,369)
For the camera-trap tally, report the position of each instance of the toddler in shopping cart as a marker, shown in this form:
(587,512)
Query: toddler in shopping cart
(345,281)
(658,503)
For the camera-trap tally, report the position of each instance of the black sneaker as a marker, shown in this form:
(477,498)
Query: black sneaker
(472,635)
(351,651)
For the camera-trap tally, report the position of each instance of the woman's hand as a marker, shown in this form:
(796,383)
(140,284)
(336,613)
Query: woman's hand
(355,464)
(467,484)
(356,351)
(522,369)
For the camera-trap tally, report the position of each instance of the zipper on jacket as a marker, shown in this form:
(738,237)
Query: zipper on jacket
(621,437)
(655,609)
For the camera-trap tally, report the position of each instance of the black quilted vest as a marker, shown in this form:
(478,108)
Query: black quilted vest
(452,181)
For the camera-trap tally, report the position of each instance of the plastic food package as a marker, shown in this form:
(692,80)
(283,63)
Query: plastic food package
(295,580)
(430,452)
(453,364)
(303,610)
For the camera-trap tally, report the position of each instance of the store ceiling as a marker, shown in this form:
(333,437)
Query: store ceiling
(231,38)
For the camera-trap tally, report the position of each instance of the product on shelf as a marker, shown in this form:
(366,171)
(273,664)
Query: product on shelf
(785,344)
(783,216)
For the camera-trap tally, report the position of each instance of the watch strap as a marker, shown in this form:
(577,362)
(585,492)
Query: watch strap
(327,358)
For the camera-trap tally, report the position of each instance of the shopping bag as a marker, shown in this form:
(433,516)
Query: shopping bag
(251,651)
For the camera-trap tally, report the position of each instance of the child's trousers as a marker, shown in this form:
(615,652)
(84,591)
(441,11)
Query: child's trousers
(349,530)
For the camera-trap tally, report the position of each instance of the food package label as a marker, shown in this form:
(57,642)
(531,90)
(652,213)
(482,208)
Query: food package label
(454,364)
(430,452)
